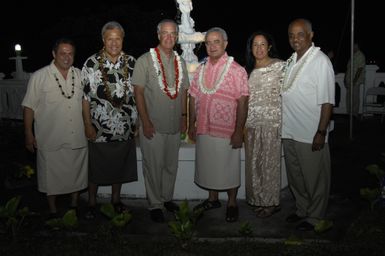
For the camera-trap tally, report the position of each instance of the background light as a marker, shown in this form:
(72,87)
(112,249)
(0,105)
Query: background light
(17,47)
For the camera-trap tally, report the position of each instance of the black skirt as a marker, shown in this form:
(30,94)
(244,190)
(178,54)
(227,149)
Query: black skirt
(112,162)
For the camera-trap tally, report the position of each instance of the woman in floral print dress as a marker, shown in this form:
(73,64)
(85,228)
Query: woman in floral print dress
(263,125)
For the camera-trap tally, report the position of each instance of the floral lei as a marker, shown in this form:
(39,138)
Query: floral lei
(115,100)
(218,82)
(288,83)
(172,93)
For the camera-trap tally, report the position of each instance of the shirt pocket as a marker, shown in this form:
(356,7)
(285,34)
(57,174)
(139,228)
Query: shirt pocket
(52,95)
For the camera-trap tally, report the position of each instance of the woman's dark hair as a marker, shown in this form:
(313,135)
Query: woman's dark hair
(250,59)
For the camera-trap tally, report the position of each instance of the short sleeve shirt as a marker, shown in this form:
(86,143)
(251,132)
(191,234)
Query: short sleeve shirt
(165,113)
(301,104)
(58,120)
(217,112)
(113,109)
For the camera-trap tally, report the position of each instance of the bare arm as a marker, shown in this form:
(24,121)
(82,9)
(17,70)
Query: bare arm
(319,137)
(237,137)
(148,127)
(30,141)
(88,127)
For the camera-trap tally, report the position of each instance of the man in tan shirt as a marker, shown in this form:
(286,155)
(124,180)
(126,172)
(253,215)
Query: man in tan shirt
(161,81)
(53,104)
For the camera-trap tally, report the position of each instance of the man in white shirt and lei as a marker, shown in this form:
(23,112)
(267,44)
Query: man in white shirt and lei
(307,103)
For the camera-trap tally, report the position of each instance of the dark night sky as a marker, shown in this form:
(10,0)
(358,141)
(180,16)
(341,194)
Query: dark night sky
(36,29)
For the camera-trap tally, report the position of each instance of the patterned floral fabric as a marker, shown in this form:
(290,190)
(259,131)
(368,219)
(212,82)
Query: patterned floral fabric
(263,138)
(265,99)
(216,113)
(114,121)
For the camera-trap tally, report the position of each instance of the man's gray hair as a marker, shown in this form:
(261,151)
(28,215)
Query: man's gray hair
(219,30)
(166,21)
(112,25)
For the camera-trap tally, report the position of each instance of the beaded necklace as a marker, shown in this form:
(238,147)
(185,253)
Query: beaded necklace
(115,100)
(61,87)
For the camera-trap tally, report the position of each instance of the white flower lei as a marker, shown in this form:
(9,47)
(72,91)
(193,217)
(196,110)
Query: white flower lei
(288,83)
(203,88)
(159,72)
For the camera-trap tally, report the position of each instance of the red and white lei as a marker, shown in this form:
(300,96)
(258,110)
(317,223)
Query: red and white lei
(159,68)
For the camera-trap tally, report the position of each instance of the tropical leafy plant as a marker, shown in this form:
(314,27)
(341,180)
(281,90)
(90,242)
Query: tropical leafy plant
(118,220)
(293,241)
(11,217)
(322,226)
(25,171)
(69,221)
(374,195)
(245,229)
(183,228)
(18,175)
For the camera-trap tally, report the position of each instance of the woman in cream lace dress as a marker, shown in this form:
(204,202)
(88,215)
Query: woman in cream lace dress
(263,125)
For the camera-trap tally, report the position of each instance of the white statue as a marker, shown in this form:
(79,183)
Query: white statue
(187,32)
(188,52)
(187,23)
(187,36)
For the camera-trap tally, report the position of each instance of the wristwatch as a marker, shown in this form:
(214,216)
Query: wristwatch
(321,132)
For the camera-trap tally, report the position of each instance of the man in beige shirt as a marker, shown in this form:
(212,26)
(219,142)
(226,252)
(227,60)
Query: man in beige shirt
(53,104)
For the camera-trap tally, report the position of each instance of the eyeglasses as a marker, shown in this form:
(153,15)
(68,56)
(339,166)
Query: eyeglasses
(215,42)
(166,33)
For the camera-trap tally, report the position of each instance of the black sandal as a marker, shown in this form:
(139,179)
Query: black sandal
(91,213)
(121,208)
(232,213)
(207,205)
